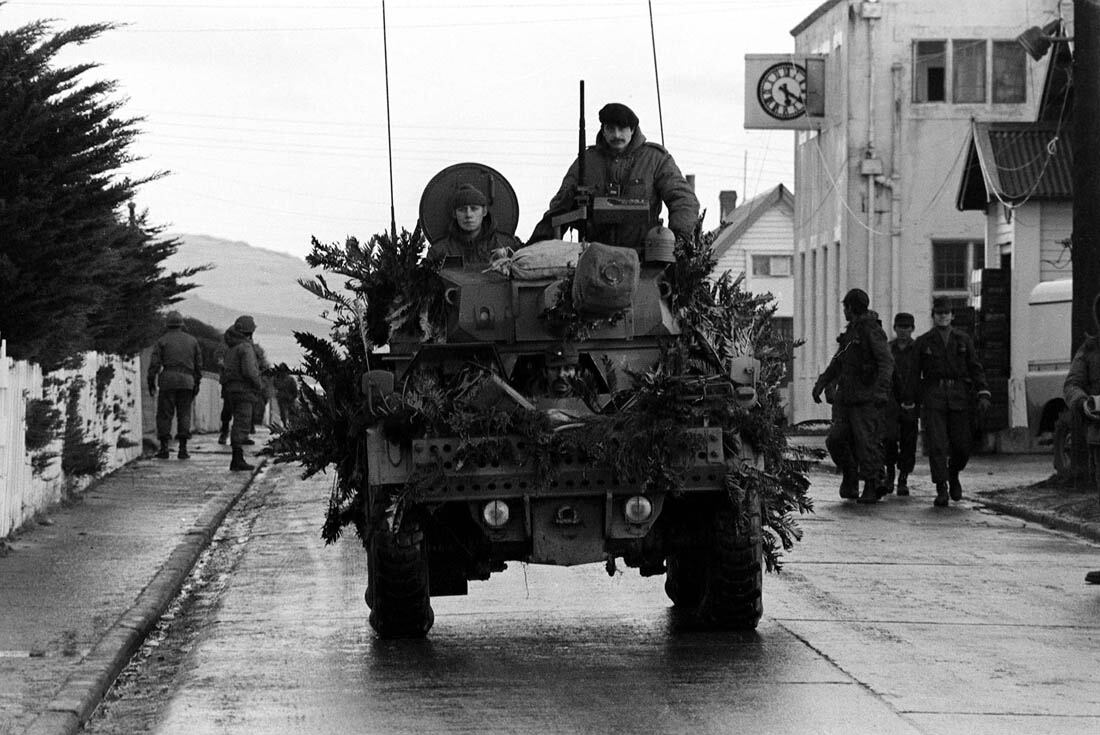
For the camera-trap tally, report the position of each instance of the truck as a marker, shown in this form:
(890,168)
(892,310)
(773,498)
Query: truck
(1050,306)
(661,477)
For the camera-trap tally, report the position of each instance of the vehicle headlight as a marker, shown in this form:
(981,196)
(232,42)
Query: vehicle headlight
(637,509)
(495,513)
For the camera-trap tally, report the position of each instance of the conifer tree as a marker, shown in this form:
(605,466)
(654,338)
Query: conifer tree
(75,275)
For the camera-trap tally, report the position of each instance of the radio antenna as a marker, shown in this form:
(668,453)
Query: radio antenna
(389,134)
(656,76)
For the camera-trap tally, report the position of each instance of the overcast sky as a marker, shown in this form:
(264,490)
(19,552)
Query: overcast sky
(271,115)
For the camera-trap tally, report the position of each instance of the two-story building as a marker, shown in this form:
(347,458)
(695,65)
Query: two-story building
(905,82)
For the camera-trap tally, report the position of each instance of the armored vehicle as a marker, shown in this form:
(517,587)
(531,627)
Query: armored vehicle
(442,510)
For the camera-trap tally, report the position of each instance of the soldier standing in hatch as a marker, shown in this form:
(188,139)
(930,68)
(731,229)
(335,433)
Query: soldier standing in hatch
(623,163)
(472,235)
(951,378)
(900,432)
(176,363)
(861,369)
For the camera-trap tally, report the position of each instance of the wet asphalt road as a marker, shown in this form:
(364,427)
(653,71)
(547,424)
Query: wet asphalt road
(895,618)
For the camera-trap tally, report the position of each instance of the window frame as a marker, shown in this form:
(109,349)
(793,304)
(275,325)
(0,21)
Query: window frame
(979,85)
(944,55)
(997,52)
(973,260)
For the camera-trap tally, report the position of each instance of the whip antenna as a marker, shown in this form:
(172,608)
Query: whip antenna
(389,135)
(656,76)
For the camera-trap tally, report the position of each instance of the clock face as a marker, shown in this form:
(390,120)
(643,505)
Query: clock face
(782,90)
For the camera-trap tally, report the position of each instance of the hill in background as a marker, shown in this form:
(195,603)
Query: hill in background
(250,280)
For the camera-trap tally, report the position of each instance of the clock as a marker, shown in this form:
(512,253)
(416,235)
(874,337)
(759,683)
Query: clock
(782,90)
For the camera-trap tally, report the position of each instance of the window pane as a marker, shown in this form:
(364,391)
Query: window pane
(929,71)
(761,265)
(979,257)
(780,265)
(969,75)
(1009,72)
(949,266)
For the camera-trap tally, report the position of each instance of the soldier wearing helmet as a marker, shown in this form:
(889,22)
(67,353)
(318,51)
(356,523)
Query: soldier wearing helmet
(176,365)
(861,370)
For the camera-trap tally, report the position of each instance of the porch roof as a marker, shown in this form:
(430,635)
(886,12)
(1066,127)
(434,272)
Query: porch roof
(1016,162)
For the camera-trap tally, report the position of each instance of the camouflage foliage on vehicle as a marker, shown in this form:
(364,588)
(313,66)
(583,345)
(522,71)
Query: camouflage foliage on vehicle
(388,287)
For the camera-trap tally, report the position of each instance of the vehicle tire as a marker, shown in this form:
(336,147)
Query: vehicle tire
(397,591)
(733,596)
(685,580)
(1063,443)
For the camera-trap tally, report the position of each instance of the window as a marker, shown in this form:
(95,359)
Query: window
(1009,72)
(969,76)
(772,265)
(972,69)
(952,263)
(930,71)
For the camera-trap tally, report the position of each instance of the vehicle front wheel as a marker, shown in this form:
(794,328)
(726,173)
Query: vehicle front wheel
(733,595)
(397,588)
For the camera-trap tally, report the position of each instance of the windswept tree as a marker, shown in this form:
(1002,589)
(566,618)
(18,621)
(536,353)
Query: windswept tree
(76,273)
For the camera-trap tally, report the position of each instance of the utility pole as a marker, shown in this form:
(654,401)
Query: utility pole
(1085,241)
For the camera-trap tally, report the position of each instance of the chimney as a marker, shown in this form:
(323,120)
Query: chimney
(727,202)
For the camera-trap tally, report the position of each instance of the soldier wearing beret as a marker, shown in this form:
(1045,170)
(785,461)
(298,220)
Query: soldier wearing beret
(176,364)
(900,431)
(472,235)
(952,380)
(624,164)
(861,370)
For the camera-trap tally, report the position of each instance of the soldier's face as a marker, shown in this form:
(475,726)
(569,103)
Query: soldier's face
(903,333)
(560,378)
(469,217)
(617,137)
(942,318)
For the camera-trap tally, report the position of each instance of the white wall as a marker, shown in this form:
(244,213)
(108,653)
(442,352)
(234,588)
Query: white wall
(113,418)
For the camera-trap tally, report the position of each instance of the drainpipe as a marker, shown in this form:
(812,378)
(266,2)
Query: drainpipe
(870,167)
(894,184)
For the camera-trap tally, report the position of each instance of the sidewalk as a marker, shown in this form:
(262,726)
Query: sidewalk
(80,591)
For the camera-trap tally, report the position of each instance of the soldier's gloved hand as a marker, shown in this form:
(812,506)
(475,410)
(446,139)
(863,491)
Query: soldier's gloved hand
(152,387)
(1089,413)
(816,393)
(195,392)
(983,405)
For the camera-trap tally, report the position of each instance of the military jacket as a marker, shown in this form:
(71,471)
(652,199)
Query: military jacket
(1082,381)
(176,362)
(951,376)
(906,384)
(862,368)
(643,171)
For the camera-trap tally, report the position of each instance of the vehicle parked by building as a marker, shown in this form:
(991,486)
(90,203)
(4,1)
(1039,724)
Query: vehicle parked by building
(1050,306)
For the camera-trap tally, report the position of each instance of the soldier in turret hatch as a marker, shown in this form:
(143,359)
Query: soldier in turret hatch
(472,235)
(624,164)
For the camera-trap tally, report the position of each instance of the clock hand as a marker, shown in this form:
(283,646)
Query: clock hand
(791,98)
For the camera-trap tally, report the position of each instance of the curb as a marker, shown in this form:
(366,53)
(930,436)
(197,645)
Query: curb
(1048,518)
(82,692)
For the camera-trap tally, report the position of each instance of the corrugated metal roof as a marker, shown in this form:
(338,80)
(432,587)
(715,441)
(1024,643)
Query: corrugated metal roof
(1017,162)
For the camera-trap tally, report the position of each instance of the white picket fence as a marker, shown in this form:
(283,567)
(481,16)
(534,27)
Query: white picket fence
(113,418)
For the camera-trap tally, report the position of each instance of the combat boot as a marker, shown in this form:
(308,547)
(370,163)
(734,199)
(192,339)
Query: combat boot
(955,488)
(941,495)
(183,453)
(1093,577)
(237,463)
(163,453)
(903,483)
(870,494)
(849,486)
